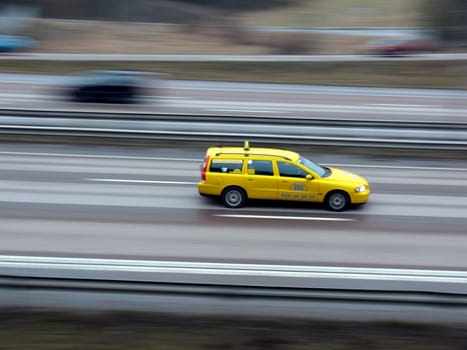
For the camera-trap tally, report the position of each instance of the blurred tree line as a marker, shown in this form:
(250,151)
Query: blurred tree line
(447,18)
(213,18)
(241,5)
(142,10)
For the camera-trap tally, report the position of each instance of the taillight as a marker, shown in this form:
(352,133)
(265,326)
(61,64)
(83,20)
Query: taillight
(203,171)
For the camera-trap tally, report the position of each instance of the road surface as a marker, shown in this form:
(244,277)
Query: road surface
(65,200)
(247,99)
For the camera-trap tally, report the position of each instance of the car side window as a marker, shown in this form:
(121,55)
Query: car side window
(260,167)
(290,170)
(227,166)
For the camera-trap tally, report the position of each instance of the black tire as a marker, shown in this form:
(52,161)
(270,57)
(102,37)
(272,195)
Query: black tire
(233,197)
(337,201)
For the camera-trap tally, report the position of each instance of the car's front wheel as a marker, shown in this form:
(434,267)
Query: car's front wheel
(233,197)
(337,201)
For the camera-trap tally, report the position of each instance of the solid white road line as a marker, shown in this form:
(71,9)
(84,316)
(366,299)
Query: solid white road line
(243,110)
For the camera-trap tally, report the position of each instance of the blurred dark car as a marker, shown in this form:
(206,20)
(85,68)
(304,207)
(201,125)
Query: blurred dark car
(110,86)
(400,47)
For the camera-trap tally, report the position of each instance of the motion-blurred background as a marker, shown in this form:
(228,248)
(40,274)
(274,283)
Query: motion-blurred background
(99,208)
(235,27)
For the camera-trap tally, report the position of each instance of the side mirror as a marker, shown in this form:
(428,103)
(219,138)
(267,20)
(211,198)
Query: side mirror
(309,177)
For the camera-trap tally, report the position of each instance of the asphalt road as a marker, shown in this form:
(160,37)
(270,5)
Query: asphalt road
(243,99)
(125,202)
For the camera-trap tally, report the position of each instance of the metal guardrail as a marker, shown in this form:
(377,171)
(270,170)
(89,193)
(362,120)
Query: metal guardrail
(387,134)
(128,284)
(229,291)
(294,277)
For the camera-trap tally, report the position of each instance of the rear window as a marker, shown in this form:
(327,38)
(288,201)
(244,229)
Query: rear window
(227,166)
(260,167)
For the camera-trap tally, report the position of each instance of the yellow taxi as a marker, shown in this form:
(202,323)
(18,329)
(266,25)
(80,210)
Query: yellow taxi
(236,174)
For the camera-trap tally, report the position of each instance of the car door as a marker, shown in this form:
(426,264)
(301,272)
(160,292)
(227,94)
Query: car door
(295,183)
(260,181)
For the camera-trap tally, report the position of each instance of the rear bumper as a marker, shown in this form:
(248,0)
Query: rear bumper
(208,190)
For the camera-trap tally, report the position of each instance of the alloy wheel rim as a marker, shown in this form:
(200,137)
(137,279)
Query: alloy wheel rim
(233,198)
(337,201)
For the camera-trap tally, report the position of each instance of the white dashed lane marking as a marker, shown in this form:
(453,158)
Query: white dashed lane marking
(281,217)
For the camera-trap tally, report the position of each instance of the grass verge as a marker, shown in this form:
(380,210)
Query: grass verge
(398,73)
(40,330)
(340,13)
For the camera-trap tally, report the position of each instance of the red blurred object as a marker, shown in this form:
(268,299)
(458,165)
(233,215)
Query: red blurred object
(401,47)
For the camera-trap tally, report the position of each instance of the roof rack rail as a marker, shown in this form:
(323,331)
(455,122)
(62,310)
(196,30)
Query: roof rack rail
(246,149)
(247,154)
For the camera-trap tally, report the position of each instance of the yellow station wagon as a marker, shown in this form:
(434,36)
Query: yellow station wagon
(236,174)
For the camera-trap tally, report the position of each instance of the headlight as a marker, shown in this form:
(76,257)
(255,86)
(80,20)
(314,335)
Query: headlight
(361,188)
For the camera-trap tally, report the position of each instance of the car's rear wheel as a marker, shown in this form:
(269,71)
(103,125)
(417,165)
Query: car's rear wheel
(337,201)
(233,197)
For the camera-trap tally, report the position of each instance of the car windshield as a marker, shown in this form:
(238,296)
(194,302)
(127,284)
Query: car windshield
(316,168)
